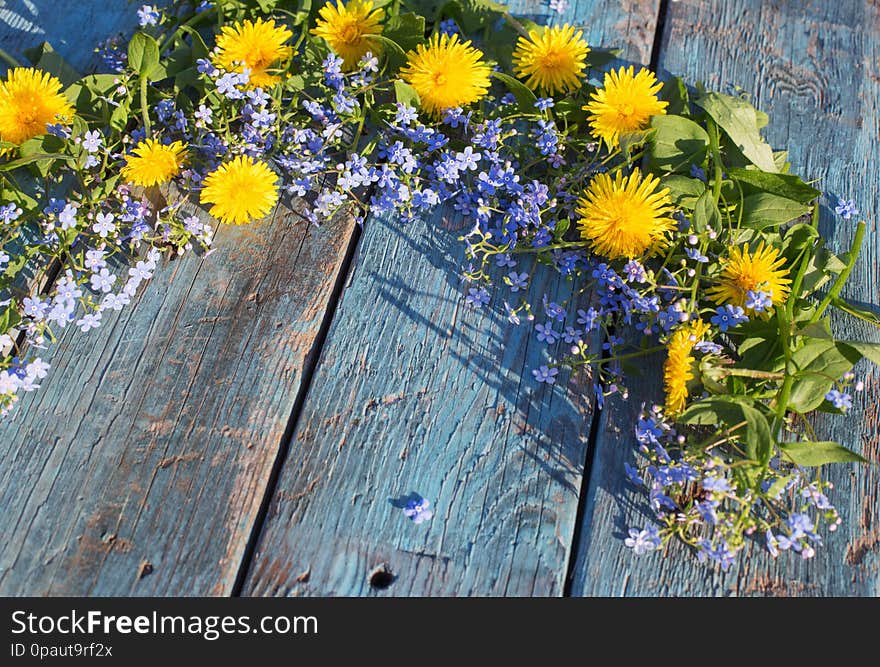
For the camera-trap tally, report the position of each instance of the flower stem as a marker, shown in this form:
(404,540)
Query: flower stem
(834,292)
(6,57)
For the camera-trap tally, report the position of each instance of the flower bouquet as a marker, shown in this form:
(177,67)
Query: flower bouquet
(681,230)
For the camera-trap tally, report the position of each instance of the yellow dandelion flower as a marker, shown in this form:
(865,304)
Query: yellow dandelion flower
(152,163)
(551,60)
(746,271)
(446,73)
(30,100)
(256,45)
(241,191)
(347,29)
(625,103)
(678,369)
(625,216)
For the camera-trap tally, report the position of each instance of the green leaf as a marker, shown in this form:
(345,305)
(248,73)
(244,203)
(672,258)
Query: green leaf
(819,364)
(525,98)
(729,411)
(764,210)
(407,30)
(561,227)
(798,239)
(863,314)
(678,143)
(783,185)
(870,351)
(9,318)
(740,121)
(822,265)
(683,190)
(759,442)
(598,59)
(406,94)
(818,453)
(631,140)
(820,329)
(393,52)
(706,214)
(143,54)
(44,57)
(675,92)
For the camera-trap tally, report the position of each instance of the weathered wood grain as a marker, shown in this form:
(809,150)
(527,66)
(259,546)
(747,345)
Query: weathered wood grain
(813,66)
(153,439)
(417,393)
(73,29)
(140,465)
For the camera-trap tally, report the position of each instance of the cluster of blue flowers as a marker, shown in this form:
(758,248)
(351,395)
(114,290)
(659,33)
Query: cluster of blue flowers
(697,495)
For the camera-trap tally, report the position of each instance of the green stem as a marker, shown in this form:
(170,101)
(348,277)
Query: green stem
(552,246)
(9,59)
(145,109)
(802,267)
(834,292)
(784,393)
(715,147)
(183,26)
(621,357)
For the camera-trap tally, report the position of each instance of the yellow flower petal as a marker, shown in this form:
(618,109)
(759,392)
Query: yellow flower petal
(552,59)
(625,103)
(241,191)
(746,271)
(30,100)
(256,45)
(625,216)
(446,73)
(678,369)
(152,163)
(347,29)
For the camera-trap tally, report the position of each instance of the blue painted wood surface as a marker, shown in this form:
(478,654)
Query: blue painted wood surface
(813,67)
(153,441)
(417,393)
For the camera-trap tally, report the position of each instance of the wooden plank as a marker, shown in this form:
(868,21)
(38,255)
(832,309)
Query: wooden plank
(73,30)
(154,437)
(417,393)
(812,66)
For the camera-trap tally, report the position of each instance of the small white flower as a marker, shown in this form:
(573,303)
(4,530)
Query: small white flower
(104,224)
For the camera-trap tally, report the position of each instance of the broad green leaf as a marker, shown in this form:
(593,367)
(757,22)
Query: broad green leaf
(820,329)
(706,214)
(822,265)
(393,52)
(863,314)
(44,57)
(818,453)
(406,94)
(525,98)
(9,318)
(764,210)
(675,92)
(407,30)
(798,239)
(870,351)
(782,185)
(632,140)
(729,411)
(683,190)
(599,59)
(740,121)
(820,363)
(143,54)
(678,143)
